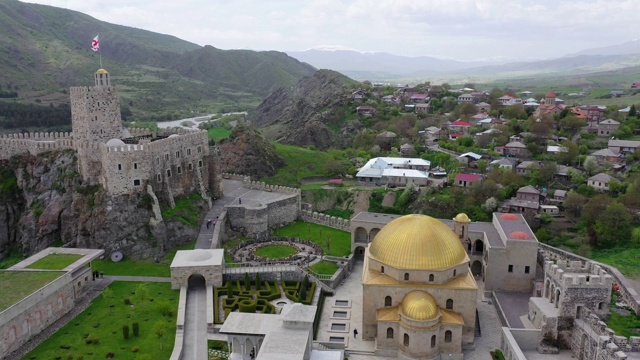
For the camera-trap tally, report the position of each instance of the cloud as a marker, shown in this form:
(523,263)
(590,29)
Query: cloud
(454,28)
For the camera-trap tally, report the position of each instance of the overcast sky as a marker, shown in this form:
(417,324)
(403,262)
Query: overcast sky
(459,29)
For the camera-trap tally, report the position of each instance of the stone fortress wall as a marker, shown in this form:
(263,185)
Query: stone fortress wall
(592,339)
(175,164)
(568,274)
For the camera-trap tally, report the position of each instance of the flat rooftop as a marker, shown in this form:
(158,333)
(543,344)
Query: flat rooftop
(55,261)
(17,285)
(43,259)
(198,257)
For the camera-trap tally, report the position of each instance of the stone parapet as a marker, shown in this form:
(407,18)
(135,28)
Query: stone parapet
(326,220)
(578,274)
(256,185)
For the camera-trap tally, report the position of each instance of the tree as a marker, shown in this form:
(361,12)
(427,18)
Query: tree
(158,330)
(569,156)
(125,332)
(490,205)
(573,204)
(632,111)
(594,208)
(544,174)
(258,281)
(142,294)
(516,111)
(572,124)
(482,165)
(247,282)
(591,165)
(613,226)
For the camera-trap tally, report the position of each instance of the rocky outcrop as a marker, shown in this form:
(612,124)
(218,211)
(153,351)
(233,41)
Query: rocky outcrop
(307,114)
(50,205)
(247,152)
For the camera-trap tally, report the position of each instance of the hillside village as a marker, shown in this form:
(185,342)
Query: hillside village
(516,151)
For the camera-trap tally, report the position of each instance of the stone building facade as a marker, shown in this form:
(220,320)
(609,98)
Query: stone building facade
(124,161)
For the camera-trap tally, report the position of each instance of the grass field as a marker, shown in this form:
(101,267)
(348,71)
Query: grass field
(104,320)
(324,267)
(624,325)
(626,260)
(302,163)
(276,251)
(185,211)
(340,241)
(135,267)
(17,285)
(10,260)
(218,133)
(55,261)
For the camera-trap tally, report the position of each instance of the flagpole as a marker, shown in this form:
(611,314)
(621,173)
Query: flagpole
(100,53)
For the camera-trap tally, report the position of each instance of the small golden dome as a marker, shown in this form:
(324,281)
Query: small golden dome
(419,305)
(102,71)
(417,242)
(462,218)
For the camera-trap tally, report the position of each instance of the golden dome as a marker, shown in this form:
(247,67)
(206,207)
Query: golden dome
(419,305)
(102,71)
(462,217)
(417,242)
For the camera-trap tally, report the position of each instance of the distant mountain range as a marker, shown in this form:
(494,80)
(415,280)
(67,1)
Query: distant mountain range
(44,50)
(380,66)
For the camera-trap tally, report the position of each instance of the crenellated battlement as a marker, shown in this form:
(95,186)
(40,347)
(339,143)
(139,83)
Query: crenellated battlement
(33,143)
(326,220)
(611,343)
(266,187)
(578,274)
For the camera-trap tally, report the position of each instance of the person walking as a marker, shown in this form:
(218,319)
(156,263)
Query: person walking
(208,223)
(355,333)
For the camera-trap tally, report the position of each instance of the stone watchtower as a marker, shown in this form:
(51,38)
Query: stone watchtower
(95,119)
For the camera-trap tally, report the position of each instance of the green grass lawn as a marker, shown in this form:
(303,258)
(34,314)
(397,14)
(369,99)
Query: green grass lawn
(186,210)
(136,267)
(324,267)
(55,261)
(218,133)
(624,325)
(626,260)
(299,164)
(276,251)
(105,323)
(340,243)
(17,285)
(10,260)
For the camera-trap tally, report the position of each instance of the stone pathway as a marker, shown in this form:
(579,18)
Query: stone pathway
(138,278)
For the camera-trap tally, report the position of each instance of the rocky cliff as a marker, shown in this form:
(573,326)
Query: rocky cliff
(309,113)
(247,152)
(43,202)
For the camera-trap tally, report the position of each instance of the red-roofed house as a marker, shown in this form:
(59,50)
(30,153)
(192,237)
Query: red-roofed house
(460,126)
(454,136)
(635,85)
(467,180)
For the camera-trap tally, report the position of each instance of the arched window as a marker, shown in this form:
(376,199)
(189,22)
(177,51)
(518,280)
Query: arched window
(449,304)
(387,301)
(433,341)
(600,305)
(382,269)
(447,336)
(389,333)
(406,276)
(430,277)
(454,272)
(406,339)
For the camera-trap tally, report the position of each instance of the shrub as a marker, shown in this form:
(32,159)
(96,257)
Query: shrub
(135,349)
(125,332)
(127,301)
(247,306)
(69,357)
(136,328)
(164,308)
(92,340)
(65,346)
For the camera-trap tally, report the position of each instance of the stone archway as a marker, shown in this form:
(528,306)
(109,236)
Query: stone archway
(584,343)
(476,268)
(196,281)
(478,246)
(358,253)
(360,235)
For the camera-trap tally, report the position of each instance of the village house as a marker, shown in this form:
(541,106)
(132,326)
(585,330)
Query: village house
(525,167)
(425,108)
(526,202)
(467,180)
(466,99)
(483,106)
(366,110)
(606,155)
(600,182)
(407,149)
(558,196)
(607,127)
(379,170)
(508,100)
(502,164)
(469,158)
(593,115)
(623,146)
(419,98)
(516,148)
(390,99)
(460,126)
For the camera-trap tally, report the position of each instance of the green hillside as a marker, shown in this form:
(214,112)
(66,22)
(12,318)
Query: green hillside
(44,50)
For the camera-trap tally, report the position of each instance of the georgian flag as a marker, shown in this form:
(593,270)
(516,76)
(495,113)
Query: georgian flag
(95,44)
